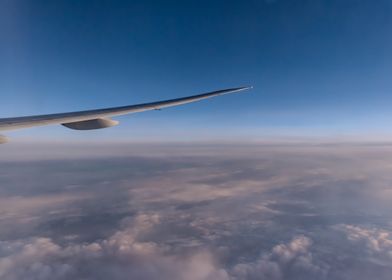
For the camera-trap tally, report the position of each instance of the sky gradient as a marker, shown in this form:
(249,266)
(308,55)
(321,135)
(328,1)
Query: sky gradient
(319,68)
(226,201)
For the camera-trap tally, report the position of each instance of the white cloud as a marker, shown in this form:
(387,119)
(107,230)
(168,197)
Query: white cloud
(294,258)
(209,215)
(378,242)
(121,256)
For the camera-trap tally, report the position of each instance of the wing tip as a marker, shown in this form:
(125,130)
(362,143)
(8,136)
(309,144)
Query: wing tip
(238,89)
(246,87)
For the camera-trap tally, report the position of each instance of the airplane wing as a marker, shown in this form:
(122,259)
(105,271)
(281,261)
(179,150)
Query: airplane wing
(100,118)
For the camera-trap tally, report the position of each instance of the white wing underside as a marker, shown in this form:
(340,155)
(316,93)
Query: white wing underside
(100,118)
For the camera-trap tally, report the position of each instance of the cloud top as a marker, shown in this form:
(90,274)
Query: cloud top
(200,213)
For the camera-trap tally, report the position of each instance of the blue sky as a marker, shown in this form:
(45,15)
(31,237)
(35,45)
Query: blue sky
(319,68)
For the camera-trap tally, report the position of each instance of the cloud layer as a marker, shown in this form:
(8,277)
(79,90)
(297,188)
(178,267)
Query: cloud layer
(202,212)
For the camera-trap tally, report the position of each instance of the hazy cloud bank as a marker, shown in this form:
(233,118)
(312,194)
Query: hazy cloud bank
(202,212)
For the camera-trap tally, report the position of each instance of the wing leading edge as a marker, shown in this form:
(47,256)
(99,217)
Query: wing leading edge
(100,118)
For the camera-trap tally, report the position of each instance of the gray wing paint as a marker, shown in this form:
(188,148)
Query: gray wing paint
(99,118)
